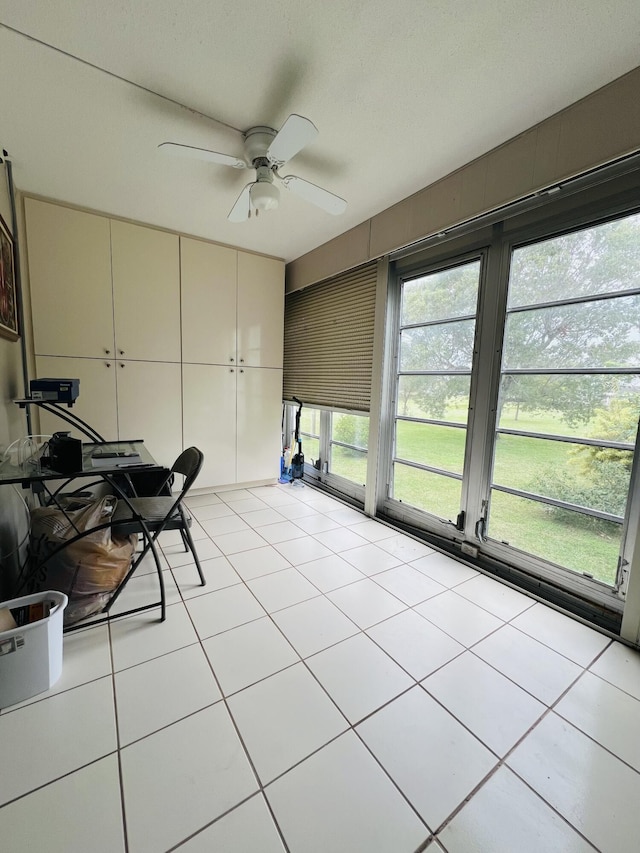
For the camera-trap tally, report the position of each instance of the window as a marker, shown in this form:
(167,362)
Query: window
(349,442)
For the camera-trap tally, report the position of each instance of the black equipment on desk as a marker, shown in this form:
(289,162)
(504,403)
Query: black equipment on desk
(54,390)
(65,453)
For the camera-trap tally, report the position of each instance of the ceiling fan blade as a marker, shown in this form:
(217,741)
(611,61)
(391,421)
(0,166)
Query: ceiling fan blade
(316,195)
(295,133)
(202,154)
(242,208)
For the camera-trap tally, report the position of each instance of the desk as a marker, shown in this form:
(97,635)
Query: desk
(120,478)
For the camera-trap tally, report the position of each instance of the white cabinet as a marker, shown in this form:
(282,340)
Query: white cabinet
(233,415)
(146,292)
(69,256)
(260,311)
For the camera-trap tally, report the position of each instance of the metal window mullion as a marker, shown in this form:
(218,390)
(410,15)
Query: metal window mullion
(569,371)
(574,300)
(583,510)
(443,321)
(451,372)
(430,421)
(430,468)
(589,442)
(348,446)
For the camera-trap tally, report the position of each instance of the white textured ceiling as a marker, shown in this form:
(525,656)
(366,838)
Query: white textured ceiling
(403,92)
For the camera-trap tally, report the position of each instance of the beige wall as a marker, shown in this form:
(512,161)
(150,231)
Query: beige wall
(12,419)
(596,130)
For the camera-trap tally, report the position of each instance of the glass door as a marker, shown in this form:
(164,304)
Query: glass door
(569,400)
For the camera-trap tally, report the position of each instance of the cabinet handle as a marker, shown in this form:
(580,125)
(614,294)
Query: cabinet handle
(108,363)
(107,352)
(121,352)
(122,365)
(242,361)
(231,370)
(241,370)
(231,360)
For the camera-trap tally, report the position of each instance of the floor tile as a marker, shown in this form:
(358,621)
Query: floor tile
(444,569)
(329,573)
(232,543)
(283,531)
(346,516)
(179,779)
(561,633)
(620,666)
(495,709)
(496,597)
(539,670)
(299,551)
(358,676)
(225,524)
(314,625)
(148,565)
(606,714)
(258,562)
(205,549)
(277,499)
(260,517)
(366,603)
(145,590)
(78,812)
(324,504)
(141,637)
(404,547)
(251,504)
(408,584)
(316,523)
(247,654)
(202,499)
(218,573)
(294,510)
(223,609)
(340,800)
(461,619)
(340,539)
(505,816)
(283,719)
(592,789)
(159,692)
(369,559)
(417,645)
(207,511)
(418,742)
(372,530)
(234,495)
(282,589)
(249,828)
(86,656)
(48,739)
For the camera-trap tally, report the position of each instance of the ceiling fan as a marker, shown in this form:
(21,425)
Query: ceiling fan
(267,150)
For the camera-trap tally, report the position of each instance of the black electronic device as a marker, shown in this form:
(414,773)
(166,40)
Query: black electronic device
(54,390)
(65,453)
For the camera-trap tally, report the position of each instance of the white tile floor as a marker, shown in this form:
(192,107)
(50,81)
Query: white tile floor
(335,687)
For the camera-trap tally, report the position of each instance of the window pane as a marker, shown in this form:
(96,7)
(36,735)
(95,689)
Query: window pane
(569,539)
(433,493)
(441,295)
(572,405)
(428,444)
(349,463)
(309,420)
(448,346)
(350,429)
(592,334)
(310,448)
(592,477)
(444,398)
(599,259)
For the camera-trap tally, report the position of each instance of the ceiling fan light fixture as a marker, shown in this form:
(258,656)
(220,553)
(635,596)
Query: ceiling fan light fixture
(264,196)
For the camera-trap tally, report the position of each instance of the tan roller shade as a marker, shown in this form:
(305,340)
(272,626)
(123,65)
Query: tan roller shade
(328,341)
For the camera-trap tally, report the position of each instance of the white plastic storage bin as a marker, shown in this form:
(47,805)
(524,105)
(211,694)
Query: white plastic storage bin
(31,655)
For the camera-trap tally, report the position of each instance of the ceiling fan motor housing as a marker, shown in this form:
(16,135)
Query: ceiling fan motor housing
(256,144)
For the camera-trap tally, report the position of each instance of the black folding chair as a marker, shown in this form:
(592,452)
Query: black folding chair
(150,516)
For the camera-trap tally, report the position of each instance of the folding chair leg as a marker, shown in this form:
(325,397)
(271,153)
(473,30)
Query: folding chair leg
(186,535)
(185,541)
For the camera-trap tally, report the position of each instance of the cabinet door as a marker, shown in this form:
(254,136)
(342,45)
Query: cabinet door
(149,406)
(208,275)
(70,278)
(260,311)
(96,403)
(146,292)
(259,424)
(209,413)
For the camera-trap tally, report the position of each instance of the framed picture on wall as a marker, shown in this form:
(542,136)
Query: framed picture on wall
(8,302)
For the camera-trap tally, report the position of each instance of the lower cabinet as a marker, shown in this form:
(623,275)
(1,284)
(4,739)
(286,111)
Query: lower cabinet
(122,400)
(234,416)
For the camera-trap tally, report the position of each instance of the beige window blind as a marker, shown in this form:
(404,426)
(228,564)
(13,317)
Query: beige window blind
(328,341)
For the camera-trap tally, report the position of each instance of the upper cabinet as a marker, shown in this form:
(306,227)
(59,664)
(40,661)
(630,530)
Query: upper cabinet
(102,288)
(209,315)
(70,274)
(232,306)
(146,292)
(260,311)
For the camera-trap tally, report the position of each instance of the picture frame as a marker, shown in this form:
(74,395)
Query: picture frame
(8,296)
